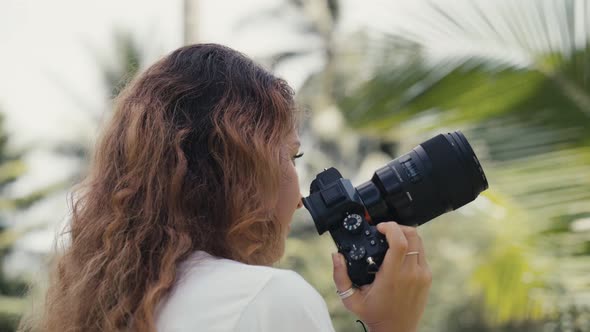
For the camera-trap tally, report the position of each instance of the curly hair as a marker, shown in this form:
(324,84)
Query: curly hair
(190,160)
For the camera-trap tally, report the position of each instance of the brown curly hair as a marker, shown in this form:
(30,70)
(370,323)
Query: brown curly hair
(190,160)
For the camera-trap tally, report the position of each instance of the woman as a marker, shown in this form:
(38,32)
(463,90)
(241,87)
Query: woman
(187,205)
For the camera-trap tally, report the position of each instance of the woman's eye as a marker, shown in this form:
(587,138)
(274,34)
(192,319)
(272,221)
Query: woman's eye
(299,155)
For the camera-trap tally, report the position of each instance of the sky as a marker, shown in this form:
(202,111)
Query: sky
(49,74)
(50,51)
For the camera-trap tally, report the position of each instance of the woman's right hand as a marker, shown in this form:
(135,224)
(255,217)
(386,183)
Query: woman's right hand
(396,299)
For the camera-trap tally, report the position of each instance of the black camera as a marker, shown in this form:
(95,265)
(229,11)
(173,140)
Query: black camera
(439,175)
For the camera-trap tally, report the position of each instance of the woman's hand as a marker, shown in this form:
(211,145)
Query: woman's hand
(396,299)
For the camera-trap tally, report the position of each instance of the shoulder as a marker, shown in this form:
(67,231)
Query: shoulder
(289,285)
(287,302)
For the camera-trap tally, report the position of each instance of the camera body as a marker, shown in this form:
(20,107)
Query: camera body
(438,176)
(358,240)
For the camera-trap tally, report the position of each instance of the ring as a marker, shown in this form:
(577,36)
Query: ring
(412,253)
(346,293)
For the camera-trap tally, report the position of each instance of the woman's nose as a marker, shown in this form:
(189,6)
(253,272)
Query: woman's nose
(300,204)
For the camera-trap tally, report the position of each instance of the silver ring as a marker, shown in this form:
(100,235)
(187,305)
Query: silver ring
(412,253)
(347,293)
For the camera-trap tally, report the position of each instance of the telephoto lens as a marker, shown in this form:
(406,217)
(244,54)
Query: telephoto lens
(438,176)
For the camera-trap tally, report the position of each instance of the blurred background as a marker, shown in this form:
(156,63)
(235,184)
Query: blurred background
(376,78)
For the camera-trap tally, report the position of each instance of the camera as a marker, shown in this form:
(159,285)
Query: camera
(439,175)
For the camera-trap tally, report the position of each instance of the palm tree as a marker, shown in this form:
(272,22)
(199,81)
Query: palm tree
(515,76)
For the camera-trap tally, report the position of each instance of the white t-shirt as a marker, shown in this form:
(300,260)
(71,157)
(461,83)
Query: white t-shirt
(220,295)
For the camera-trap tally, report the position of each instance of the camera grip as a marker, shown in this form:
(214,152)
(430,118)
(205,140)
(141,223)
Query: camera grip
(363,249)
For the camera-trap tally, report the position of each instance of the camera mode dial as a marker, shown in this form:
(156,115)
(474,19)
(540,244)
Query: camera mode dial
(357,253)
(352,223)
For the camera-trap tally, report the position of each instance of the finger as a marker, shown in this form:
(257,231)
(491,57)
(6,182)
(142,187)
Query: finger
(398,245)
(423,262)
(342,280)
(414,245)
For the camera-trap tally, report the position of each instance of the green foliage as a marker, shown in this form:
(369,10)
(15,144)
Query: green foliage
(10,165)
(11,309)
(11,291)
(508,272)
(529,122)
